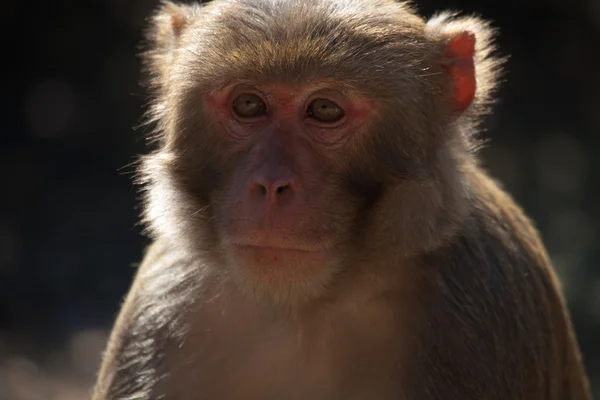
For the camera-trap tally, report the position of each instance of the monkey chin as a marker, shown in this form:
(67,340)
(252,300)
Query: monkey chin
(282,275)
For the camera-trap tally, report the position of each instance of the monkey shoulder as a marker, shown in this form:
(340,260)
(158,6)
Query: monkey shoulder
(498,257)
(492,289)
(151,320)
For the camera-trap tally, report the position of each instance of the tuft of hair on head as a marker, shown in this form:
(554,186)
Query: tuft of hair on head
(470,34)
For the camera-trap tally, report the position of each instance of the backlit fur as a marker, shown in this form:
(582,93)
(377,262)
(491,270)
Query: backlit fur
(441,288)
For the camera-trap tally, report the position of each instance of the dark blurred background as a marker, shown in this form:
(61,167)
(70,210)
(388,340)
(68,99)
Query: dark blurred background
(69,239)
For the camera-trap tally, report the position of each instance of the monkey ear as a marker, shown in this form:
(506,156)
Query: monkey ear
(466,58)
(163,39)
(163,36)
(168,24)
(459,64)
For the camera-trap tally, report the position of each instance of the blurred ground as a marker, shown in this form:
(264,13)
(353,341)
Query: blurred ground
(68,235)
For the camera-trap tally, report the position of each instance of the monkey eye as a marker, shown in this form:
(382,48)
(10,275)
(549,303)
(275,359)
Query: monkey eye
(324,110)
(249,105)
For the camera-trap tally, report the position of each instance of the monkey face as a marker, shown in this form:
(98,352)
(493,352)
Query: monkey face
(283,210)
(286,138)
(266,176)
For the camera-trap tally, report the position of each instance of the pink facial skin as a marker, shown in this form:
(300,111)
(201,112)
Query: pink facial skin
(286,110)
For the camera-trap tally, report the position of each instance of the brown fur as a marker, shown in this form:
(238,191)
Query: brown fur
(440,287)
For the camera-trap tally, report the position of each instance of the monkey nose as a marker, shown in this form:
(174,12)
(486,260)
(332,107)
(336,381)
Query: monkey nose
(268,189)
(272,191)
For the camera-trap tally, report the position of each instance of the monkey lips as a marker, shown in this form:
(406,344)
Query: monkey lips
(277,257)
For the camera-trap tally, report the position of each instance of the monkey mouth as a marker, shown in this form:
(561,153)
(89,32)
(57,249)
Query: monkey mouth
(276,247)
(270,255)
(279,248)
(281,243)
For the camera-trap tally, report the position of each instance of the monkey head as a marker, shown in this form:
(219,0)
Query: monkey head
(298,139)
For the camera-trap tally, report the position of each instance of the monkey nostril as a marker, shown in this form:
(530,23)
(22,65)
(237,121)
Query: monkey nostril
(268,189)
(282,189)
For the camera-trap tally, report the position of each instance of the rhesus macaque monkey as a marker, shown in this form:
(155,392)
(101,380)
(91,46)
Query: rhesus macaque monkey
(322,229)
